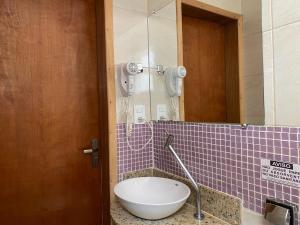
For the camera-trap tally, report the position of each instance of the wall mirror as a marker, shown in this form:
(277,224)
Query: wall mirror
(236,71)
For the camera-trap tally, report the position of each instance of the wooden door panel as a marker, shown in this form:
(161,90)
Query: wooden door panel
(48,112)
(205,83)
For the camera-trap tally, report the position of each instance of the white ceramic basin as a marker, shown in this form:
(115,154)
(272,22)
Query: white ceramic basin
(152,197)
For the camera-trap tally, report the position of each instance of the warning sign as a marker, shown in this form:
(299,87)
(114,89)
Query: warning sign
(285,173)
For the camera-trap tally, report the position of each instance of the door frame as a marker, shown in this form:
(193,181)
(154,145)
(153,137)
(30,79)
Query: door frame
(107,106)
(213,9)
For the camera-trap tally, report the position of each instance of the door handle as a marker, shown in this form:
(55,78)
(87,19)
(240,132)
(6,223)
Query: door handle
(88,151)
(94,151)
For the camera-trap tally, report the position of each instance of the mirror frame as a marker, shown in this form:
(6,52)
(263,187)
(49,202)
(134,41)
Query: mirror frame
(213,9)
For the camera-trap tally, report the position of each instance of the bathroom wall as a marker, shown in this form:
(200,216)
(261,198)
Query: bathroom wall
(230,5)
(156,5)
(253,78)
(227,158)
(131,44)
(223,157)
(162,51)
(136,158)
(261,83)
(281,34)
(163,48)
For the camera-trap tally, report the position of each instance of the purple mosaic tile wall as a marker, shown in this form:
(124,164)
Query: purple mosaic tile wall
(223,157)
(227,158)
(129,160)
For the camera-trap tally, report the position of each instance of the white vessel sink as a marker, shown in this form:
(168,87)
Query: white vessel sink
(152,197)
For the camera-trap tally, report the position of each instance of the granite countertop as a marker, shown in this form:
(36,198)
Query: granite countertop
(215,203)
(183,217)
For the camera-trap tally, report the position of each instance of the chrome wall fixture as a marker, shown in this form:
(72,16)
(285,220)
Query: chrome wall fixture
(168,145)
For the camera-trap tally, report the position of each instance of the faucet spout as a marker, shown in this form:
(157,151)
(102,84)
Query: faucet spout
(168,145)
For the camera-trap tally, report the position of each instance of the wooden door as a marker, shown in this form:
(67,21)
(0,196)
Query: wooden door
(211,56)
(49,112)
(205,84)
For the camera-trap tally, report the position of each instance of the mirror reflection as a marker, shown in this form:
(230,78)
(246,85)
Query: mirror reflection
(240,62)
(162,31)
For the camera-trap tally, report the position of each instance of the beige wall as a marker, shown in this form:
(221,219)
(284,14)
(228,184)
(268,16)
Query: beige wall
(230,5)
(253,81)
(281,35)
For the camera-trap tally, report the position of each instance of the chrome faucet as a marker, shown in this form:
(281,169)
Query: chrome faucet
(168,145)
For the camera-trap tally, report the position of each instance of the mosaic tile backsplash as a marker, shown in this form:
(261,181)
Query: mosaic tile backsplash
(223,157)
(227,158)
(129,160)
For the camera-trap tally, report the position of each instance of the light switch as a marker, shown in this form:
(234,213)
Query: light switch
(161,112)
(139,114)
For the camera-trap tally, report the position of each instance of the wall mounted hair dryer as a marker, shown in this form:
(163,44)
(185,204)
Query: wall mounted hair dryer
(127,77)
(174,77)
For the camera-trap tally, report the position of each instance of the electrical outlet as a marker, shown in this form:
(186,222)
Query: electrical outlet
(161,112)
(139,114)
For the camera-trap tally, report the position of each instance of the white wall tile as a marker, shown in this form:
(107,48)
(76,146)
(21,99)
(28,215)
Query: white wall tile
(162,41)
(130,36)
(285,12)
(287,105)
(268,52)
(134,5)
(168,11)
(281,71)
(266,10)
(157,5)
(268,78)
(287,70)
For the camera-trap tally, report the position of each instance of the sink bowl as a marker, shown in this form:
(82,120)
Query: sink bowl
(152,198)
